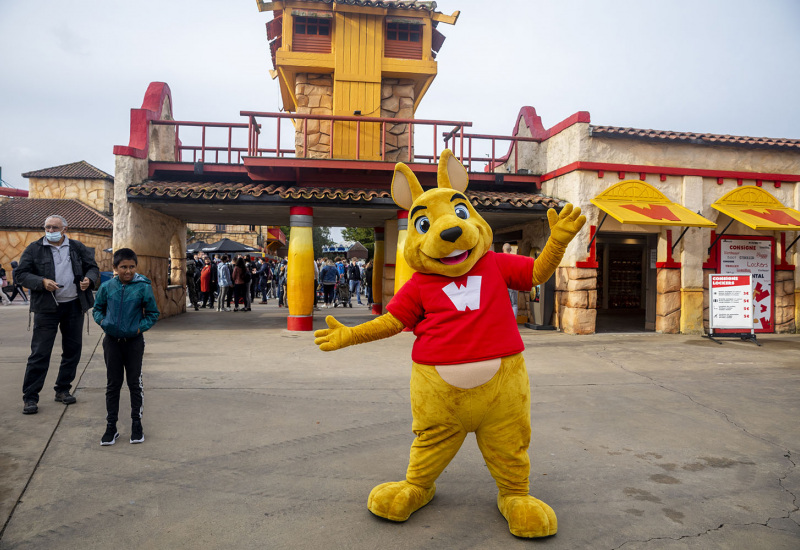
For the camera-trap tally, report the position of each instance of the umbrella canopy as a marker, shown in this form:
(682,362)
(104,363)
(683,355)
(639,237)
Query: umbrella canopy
(196,247)
(227,245)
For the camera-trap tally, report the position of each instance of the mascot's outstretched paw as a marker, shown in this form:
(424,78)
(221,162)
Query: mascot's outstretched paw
(527,517)
(397,500)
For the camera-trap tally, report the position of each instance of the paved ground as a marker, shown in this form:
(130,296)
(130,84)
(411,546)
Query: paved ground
(255,439)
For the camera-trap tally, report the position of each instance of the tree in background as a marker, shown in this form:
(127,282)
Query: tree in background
(364,235)
(320,235)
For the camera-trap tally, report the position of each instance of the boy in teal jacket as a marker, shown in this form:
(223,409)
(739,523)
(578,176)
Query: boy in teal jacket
(124,307)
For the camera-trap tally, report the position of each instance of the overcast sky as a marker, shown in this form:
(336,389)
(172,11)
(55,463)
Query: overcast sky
(71,71)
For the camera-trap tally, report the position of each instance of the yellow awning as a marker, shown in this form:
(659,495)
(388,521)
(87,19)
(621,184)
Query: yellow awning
(636,202)
(758,209)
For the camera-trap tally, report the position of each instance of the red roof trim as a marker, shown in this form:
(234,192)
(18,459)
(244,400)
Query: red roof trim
(151,109)
(538,132)
(9,192)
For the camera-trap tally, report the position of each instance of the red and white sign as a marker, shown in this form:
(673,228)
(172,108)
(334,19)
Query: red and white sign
(753,255)
(731,301)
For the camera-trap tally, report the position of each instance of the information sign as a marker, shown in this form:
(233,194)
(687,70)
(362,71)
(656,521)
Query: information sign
(731,301)
(752,255)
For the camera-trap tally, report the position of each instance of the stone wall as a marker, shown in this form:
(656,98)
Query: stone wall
(576,300)
(171,300)
(668,301)
(14,241)
(314,94)
(784,302)
(99,194)
(397,101)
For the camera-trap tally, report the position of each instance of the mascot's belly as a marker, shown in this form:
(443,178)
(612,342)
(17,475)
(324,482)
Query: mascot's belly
(469,375)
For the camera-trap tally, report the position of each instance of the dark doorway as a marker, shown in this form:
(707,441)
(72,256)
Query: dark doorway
(625,283)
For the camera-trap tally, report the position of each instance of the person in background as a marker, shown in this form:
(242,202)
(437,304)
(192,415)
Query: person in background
(191,282)
(225,285)
(60,273)
(264,278)
(512,294)
(239,286)
(15,287)
(208,281)
(3,285)
(328,277)
(354,280)
(368,282)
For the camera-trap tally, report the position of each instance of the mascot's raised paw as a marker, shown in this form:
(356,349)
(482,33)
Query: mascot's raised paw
(397,500)
(564,226)
(527,517)
(336,336)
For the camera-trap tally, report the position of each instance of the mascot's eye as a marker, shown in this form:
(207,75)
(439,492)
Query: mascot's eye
(462,211)
(422,225)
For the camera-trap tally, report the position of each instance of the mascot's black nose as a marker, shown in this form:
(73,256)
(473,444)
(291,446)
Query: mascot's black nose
(450,235)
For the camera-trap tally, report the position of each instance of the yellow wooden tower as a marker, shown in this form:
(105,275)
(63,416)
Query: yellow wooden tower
(368,58)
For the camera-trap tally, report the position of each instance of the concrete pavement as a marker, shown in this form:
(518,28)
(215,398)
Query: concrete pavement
(255,439)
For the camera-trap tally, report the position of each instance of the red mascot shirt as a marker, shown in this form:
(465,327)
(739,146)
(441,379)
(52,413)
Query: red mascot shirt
(468,318)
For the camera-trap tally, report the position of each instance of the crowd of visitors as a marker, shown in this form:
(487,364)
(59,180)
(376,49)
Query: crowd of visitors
(234,283)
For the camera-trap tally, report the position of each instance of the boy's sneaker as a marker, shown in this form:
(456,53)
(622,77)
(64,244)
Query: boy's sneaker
(31,407)
(65,397)
(137,434)
(111,435)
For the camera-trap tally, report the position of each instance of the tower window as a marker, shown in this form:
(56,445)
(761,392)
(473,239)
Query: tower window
(312,34)
(403,40)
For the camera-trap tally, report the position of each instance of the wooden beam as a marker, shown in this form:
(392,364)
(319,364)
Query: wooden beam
(347,8)
(269,6)
(449,19)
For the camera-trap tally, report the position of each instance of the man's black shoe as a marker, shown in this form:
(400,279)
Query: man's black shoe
(31,407)
(137,434)
(111,435)
(65,397)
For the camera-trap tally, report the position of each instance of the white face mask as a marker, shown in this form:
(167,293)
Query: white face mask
(53,237)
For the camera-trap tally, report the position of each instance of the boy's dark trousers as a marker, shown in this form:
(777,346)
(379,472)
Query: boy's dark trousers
(123,360)
(69,319)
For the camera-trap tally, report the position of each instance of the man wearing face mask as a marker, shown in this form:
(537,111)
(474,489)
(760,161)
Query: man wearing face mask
(60,274)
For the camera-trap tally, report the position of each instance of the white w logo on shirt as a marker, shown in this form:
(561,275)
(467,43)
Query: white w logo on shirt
(467,296)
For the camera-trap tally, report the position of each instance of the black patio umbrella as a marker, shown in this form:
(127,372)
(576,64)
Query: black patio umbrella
(226,246)
(196,247)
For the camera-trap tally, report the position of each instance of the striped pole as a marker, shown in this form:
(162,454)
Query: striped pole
(300,274)
(377,273)
(402,271)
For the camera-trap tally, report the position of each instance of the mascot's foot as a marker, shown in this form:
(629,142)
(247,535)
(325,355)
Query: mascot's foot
(527,517)
(397,500)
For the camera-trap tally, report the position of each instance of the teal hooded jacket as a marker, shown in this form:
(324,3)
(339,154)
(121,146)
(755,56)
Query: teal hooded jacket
(125,310)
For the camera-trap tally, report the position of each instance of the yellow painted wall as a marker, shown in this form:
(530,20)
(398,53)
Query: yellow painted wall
(358,51)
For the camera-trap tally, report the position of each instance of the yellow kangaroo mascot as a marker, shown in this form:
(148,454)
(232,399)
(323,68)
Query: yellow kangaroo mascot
(468,373)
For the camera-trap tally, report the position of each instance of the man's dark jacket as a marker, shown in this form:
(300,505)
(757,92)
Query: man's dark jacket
(37,264)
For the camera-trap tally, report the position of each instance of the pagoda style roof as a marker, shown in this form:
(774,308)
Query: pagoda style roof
(81,170)
(30,213)
(418,5)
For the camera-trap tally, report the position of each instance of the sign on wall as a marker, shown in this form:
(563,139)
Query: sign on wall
(752,255)
(730,301)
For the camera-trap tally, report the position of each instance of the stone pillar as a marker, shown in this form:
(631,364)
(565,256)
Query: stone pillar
(156,238)
(397,101)
(300,274)
(693,254)
(668,301)
(314,93)
(785,321)
(402,271)
(576,300)
(378,259)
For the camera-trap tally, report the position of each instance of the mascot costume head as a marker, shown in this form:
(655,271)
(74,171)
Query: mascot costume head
(468,373)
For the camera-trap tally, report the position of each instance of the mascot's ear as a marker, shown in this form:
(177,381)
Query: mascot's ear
(452,173)
(405,186)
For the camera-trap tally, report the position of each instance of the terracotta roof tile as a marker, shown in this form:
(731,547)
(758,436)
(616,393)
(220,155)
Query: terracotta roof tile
(31,213)
(694,138)
(232,191)
(77,170)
